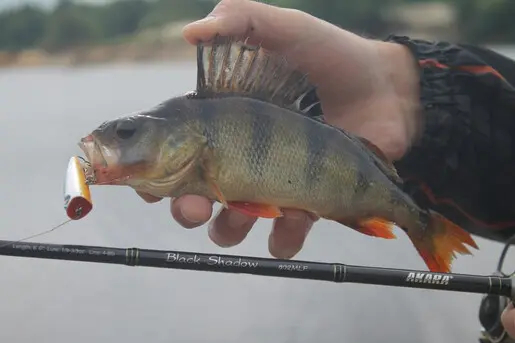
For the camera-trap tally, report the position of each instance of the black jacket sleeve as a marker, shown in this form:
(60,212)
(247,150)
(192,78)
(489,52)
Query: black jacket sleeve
(464,164)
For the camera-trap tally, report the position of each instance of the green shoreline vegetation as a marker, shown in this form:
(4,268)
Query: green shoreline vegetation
(75,33)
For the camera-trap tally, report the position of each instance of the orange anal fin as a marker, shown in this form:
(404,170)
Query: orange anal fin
(375,227)
(256,210)
(442,241)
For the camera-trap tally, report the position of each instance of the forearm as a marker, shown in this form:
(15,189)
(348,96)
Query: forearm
(465,150)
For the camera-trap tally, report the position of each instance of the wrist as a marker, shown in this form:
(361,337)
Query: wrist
(396,88)
(401,89)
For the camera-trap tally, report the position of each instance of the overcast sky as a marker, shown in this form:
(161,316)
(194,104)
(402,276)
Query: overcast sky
(46,3)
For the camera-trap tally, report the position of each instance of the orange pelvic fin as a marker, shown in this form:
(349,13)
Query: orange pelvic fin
(218,193)
(442,240)
(375,227)
(256,210)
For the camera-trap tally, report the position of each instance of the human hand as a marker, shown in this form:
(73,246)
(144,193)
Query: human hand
(364,86)
(508,320)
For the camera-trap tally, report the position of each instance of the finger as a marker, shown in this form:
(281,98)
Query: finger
(191,210)
(230,228)
(289,233)
(258,21)
(508,319)
(293,34)
(148,198)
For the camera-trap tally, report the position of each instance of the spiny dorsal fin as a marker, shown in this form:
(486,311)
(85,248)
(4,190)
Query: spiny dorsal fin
(385,164)
(230,67)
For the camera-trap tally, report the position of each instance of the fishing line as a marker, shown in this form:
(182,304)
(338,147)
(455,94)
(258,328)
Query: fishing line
(39,234)
(77,197)
(507,245)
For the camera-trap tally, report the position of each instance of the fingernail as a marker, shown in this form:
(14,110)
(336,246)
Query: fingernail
(204,20)
(289,253)
(215,236)
(285,253)
(295,219)
(237,220)
(297,216)
(187,218)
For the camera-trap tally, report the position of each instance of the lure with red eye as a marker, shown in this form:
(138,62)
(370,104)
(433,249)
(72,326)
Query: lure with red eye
(77,197)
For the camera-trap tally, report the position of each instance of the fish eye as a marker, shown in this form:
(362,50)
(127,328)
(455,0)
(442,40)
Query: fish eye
(125,129)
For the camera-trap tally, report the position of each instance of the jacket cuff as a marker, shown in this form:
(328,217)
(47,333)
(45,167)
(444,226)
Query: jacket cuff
(444,107)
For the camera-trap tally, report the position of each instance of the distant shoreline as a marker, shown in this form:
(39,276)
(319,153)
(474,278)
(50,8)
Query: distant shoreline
(136,52)
(162,44)
(142,48)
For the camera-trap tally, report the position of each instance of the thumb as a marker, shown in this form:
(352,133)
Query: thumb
(260,22)
(508,319)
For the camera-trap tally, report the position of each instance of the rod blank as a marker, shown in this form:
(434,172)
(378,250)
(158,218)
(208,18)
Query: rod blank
(333,272)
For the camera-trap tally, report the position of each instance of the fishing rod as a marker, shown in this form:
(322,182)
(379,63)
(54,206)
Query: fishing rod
(194,261)
(498,289)
(78,204)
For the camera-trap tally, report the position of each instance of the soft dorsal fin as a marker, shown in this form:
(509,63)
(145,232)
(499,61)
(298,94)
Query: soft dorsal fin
(377,154)
(385,164)
(230,67)
(375,149)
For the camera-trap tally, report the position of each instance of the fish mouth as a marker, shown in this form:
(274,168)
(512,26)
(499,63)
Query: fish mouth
(98,161)
(92,150)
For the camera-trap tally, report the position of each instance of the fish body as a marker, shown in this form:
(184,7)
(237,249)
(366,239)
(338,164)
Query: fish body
(243,139)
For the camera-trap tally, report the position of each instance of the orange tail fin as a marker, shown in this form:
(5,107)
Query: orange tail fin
(441,242)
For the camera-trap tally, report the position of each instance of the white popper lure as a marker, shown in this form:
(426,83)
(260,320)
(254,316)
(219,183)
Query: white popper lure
(77,197)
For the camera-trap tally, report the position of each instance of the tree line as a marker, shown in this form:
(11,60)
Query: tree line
(72,24)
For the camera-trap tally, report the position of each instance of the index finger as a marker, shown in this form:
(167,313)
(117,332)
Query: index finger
(508,319)
(148,198)
(258,21)
(301,38)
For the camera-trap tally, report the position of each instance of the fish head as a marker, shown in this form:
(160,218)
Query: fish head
(124,149)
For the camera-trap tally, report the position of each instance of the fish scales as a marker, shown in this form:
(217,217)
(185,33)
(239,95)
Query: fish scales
(233,128)
(262,150)
(247,138)
(277,157)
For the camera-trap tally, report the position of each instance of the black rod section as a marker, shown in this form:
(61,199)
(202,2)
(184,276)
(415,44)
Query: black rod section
(334,272)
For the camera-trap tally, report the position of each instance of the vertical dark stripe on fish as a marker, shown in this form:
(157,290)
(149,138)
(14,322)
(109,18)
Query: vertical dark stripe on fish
(361,185)
(316,151)
(364,189)
(261,140)
(207,120)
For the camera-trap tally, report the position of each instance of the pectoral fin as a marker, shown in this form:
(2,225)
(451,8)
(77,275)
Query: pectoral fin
(210,176)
